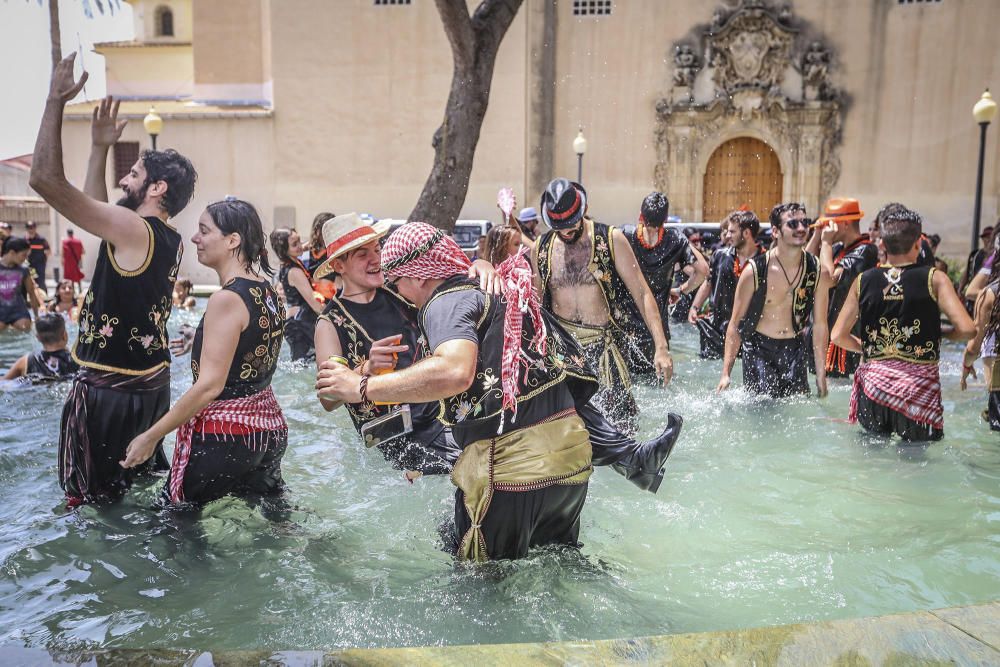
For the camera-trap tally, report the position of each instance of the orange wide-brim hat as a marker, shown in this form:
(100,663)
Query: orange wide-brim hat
(841,209)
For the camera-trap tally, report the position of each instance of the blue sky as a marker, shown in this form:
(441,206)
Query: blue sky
(24,54)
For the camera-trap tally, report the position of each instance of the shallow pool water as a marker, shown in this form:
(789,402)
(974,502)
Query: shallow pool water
(771,513)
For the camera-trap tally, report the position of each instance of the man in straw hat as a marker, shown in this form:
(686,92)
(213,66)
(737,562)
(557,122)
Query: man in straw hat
(508,380)
(377,331)
(845,254)
(898,305)
(585,272)
(773,302)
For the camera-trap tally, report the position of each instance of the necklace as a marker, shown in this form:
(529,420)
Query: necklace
(791,281)
(641,234)
(364,291)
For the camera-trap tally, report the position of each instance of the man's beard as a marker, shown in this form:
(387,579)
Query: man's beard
(133,200)
(573,237)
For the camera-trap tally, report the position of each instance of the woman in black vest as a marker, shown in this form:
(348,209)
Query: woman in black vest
(303,307)
(231,431)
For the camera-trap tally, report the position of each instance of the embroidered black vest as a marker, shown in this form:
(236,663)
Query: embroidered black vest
(854,259)
(723,278)
(899,314)
(292,296)
(359,325)
(478,408)
(51,365)
(802,298)
(256,355)
(123,320)
(602,267)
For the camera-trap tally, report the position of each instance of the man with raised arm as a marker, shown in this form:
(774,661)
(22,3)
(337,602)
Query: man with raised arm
(123,386)
(773,302)
(584,271)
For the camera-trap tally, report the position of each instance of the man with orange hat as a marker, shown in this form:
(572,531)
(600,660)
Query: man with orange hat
(845,254)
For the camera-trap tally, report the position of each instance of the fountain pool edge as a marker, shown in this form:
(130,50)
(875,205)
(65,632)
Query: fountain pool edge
(957,635)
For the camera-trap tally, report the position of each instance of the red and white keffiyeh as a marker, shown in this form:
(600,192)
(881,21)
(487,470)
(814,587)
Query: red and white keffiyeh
(515,272)
(419,250)
(246,417)
(913,390)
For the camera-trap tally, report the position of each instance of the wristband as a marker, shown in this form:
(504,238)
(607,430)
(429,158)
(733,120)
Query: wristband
(364,388)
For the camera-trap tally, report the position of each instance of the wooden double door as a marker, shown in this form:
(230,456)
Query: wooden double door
(741,172)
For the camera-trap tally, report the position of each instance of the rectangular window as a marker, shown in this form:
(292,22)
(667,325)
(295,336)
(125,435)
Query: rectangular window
(126,155)
(385,3)
(591,7)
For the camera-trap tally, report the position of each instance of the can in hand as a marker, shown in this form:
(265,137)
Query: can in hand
(337,359)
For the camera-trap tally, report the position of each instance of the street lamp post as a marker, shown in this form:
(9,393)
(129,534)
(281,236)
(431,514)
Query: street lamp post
(153,124)
(579,147)
(984,112)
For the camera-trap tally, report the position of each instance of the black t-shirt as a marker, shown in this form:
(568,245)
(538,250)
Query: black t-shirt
(457,315)
(38,247)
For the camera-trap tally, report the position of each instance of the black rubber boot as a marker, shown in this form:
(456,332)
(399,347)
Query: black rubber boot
(644,466)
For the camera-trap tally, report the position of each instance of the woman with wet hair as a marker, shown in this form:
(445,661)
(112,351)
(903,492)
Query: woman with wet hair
(231,433)
(300,300)
(501,242)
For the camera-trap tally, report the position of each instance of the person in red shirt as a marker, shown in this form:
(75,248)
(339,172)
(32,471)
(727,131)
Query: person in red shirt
(72,258)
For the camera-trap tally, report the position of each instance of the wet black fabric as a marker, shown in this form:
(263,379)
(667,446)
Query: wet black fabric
(256,354)
(993,410)
(881,420)
(657,265)
(518,521)
(292,296)
(616,401)
(300,333)
(123,319)
(221,465)
(853,260)
(898,314)
(723,279)
(55,365)
(775,367)
(111,418)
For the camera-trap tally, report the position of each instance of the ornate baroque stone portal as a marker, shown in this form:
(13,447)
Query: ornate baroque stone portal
(757,78)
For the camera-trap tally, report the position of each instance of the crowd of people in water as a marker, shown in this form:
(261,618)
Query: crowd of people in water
(513,373)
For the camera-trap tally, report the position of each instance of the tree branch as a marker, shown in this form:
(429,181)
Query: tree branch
(458,27)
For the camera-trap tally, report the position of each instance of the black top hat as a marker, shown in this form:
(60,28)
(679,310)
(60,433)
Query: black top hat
(563,203)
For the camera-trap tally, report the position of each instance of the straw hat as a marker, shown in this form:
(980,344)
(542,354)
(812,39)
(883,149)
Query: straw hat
(841,209)
(345,233)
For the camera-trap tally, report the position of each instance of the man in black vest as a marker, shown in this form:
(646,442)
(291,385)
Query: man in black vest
(508,385)
(845,253)
(739,231)
(898,306)
(123,386)
(773,302)
(585,272)
(658,250)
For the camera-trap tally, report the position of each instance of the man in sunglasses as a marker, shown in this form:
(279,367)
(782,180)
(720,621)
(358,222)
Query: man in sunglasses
(773,302)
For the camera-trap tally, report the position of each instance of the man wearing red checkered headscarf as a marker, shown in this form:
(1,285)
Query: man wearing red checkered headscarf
(526,455)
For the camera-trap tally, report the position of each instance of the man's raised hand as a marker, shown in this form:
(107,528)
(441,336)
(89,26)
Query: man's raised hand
(63,87)
(105,128)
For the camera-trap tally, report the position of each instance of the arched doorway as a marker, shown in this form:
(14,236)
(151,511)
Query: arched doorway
(741,171)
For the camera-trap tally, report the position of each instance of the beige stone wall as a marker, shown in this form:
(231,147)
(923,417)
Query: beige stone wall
(144,16)
(231,49)
(152,70)
(358,93)
(233,157)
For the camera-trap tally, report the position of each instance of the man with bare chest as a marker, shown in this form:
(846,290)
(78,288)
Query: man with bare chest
(772,307)
(584,272)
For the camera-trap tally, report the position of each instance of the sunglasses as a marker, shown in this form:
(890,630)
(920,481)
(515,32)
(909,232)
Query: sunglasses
(796,223)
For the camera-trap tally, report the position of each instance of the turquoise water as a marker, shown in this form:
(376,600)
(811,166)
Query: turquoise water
(770,513)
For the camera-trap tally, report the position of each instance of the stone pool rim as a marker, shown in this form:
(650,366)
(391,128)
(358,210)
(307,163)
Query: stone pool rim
(966,635)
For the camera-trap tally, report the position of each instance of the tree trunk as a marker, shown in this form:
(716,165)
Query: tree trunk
(55,35)
(474,43)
